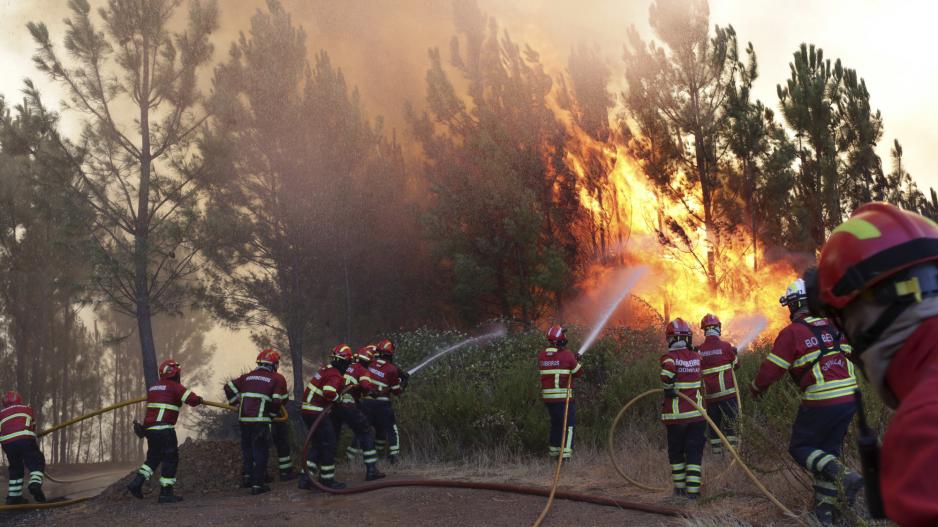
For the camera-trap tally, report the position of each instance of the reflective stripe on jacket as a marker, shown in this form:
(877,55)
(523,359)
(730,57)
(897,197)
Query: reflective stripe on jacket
(680,370)
(718,359)
(260,395)
(555,366)
(164,401)
(322,389)
(16,422)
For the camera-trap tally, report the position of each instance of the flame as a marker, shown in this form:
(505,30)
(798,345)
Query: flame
(637,218)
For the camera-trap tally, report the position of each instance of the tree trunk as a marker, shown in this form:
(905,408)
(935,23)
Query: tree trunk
(294,339)
(142,234)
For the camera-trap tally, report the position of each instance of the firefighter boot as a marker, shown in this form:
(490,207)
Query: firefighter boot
(287,474)
(332,484)
(16,500)
(259,489)
(372,473)
(167,496)
(136,486)
(36,490)
(305,483)
(853,484)
(824,514)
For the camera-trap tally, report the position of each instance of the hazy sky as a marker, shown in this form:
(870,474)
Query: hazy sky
(383,50)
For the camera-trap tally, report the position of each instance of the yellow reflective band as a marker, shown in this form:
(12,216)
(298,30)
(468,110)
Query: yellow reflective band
(668,359)
(162,406)
(687,385)
(163,426)
(577,368)
(668,374)
(830,385)
(805,359)
(729,391)
(832,394)
(312,407)
(261,396)
(717,369)
(678,466)
(328,388)
(859,228)
(14,416)
(778,361)
(186,394)
(261,419)
(685,415)
(555,372)
(18,434)
(281,396)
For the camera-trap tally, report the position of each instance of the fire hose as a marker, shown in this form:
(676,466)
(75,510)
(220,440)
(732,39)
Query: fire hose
(729,446)
(457,484)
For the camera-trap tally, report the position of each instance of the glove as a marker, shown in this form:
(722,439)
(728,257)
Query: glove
(405,378)
(670,393)
(139,431)
(199,400)
(755,392)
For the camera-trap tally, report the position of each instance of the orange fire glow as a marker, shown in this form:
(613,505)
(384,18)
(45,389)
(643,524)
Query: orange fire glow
(634,214)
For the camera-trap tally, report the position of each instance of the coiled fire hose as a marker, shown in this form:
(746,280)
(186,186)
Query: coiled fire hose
(732,450)
(283,417)
(457,484)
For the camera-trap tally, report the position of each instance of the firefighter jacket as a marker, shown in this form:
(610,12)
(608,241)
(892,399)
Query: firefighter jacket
(358,379)
(16,422)
(260,394)
(386,376)
(556,365)
(822,373)
(680,371)
(717,361)
(322,389)
(910,446)
(164,401)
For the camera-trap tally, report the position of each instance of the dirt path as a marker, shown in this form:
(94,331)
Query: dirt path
(287,505)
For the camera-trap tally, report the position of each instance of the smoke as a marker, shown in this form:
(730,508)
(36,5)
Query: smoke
(744,330)
(622,283)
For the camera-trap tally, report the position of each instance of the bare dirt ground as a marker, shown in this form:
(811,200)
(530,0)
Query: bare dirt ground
(209,476)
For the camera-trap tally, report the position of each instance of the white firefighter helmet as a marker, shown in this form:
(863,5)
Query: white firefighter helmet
(796,292)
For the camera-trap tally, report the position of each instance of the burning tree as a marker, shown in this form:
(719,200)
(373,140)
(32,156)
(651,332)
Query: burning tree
(138,173)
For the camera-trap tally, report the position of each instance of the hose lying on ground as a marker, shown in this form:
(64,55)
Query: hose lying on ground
(499,487)
(732,450)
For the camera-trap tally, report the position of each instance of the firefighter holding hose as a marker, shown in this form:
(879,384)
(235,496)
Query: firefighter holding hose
(259,394)
(877,278)
(680,372)
(718,360)
(814,354)
(164,402)
(348,411)
(558,366)
(322,390)
(18,437)
(390,380)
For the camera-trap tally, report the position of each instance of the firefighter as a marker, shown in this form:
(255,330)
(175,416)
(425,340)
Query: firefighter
(260,394)
(556,365)
(390,380)
(363,359)
(358,384)
(18,437)
(685,425)
(164,402)
(877,277)
(717,361)
(814,354)
(322,390)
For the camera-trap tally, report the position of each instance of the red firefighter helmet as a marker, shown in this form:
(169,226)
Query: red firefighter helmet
(268,356)
(557,334)
(677,328)
(343,352)
(709,321)
(877,242)
(169,369)
(366,353)
(385,346)
(11,398)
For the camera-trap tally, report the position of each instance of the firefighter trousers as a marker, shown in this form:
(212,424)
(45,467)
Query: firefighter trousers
(281,435)
(555,410)
(685,452)
(817,439)
(321,454)
(162,449)
(381,416)
(20,453)
(352,415)
(725,414)
(255,448)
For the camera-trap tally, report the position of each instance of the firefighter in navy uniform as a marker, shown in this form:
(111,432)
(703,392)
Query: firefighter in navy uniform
(322,390)
(348,411)
(680,372)
(556,364)
(18,437)
(390,380)
(814,354)
(259,394)
(164,402)
(717,361)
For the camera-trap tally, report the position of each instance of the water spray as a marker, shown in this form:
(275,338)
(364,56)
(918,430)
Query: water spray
(627,282)
(758,324)
(498,332)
